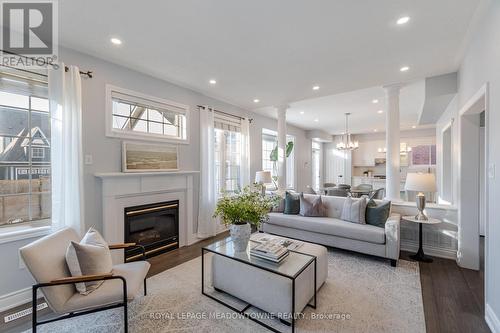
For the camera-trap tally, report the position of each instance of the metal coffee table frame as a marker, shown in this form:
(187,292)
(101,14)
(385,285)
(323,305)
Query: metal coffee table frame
(313,259)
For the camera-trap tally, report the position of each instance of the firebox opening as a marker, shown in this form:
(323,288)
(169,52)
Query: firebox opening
(154,226)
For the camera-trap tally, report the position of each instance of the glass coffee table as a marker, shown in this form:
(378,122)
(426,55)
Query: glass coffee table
(285,276)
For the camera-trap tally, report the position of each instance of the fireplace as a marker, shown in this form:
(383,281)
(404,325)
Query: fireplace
(154,226)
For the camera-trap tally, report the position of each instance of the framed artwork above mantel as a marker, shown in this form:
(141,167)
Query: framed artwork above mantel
(142,157)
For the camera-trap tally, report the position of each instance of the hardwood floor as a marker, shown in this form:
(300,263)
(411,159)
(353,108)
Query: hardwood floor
(453,297)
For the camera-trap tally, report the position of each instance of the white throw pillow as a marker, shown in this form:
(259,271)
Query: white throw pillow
(354,210)
(90,256)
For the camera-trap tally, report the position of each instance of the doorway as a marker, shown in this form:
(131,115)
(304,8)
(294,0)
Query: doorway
(473,186)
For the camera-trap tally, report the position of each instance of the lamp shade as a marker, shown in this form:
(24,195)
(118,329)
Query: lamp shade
(263,177)
(421,182)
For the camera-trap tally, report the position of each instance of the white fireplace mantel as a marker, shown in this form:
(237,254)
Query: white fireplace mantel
(121,190)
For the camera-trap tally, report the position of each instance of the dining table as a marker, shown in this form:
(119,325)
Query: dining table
(357,193)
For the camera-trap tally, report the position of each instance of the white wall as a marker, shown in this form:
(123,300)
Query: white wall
(106,151)
(480,65)
(448,118)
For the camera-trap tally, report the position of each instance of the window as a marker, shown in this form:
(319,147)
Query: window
(37,152)
(269,142)
(227,150)
(316,165)
(25,181)
(133,115)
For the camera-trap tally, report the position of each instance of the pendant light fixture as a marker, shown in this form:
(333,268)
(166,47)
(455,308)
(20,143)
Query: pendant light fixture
(346,142)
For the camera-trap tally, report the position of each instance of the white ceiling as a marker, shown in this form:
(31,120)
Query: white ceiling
(329,110)
(272,50)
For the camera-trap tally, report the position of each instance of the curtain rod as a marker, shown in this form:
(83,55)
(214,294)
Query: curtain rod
(227,114)
(66,68)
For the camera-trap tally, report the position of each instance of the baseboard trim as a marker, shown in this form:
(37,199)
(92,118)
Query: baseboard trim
(492,319)
(16,298)
(430,250)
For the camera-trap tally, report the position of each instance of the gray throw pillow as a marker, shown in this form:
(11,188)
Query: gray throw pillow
(377,214)
(354,210)
(292,204)
(90,256)
(311,207)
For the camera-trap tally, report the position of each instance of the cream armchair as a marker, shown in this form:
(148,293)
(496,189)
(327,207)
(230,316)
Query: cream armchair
(45,259)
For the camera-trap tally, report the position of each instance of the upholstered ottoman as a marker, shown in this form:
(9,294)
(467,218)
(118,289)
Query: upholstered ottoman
(267,290)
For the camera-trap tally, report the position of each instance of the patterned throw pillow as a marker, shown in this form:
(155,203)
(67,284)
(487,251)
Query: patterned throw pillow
(312,207)
(90,256)
(354,211)
(377,214)
(280,207)
(292,203)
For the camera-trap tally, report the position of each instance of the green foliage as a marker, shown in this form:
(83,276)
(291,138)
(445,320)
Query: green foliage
(247,206)
(274,153)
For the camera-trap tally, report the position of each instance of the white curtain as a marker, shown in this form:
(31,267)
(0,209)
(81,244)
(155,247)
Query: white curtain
(66,148)
(245,153)
(207,225)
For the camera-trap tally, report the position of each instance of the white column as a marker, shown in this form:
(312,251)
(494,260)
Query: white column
(392,139)
(281,110)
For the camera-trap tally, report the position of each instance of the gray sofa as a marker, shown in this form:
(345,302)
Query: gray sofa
(334,232)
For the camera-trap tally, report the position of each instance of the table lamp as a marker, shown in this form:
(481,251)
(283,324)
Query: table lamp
(420,182)
(262,178)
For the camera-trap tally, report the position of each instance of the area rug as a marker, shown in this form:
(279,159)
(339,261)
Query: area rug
(361,294)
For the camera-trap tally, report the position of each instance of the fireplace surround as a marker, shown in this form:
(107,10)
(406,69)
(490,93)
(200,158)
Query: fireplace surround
(121,190)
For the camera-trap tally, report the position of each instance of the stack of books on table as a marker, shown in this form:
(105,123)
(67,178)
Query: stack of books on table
(271,250)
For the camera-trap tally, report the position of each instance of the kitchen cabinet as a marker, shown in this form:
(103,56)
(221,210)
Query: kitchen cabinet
(366,153)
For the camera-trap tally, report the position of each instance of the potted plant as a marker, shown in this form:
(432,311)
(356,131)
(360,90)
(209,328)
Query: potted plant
(240,211)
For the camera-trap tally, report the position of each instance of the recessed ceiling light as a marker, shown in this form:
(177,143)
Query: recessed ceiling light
(212,81)
(375,130)
(404,68)
(116,41)
(301,112)
(403,20)
(414,126)
(375,101)
(316,120)
(256,100)
(380,111)
(316,88)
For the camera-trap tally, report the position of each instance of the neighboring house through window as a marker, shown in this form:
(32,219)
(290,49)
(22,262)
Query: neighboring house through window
(269,142)
(25,177)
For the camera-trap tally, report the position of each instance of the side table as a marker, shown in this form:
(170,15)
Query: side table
(420,256)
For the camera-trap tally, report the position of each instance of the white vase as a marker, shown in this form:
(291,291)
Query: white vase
(240,234)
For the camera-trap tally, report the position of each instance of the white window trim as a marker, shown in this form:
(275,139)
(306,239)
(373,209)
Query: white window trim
(114,133)
(16,232)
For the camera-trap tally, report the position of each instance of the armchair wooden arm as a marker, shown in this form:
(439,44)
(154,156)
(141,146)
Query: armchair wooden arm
(128,245)
(83,278)
(121,246)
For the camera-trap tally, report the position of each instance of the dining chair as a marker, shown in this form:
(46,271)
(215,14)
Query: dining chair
(338,192)
(364,187)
